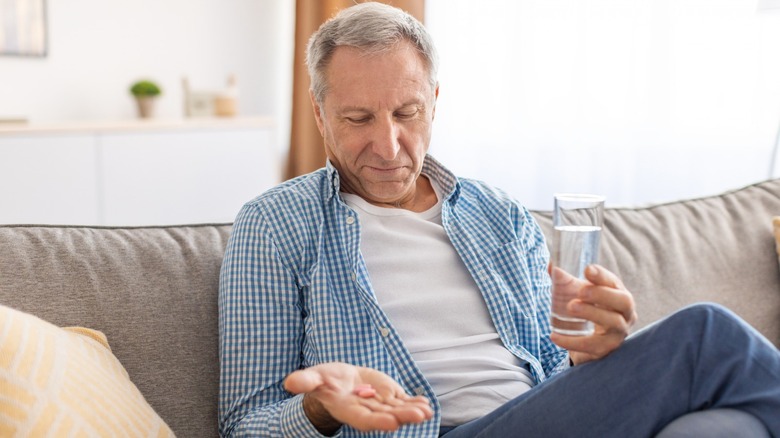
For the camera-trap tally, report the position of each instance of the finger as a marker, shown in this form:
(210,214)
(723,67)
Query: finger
(601,276)
(375,414)
(404,400)
(376,404)
(615,300)
(367,419)
(410,411)
(609,292)
(594,346)
(423,404)
(412,414)
(302,381)
(562,279)
(419,401)
(607,319)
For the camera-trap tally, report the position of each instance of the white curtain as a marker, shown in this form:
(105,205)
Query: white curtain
(643,101)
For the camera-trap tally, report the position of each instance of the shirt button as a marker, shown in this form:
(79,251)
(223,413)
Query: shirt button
(419,390)
(384,331)
(350,220)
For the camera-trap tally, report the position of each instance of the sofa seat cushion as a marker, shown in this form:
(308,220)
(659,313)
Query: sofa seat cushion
(66,382)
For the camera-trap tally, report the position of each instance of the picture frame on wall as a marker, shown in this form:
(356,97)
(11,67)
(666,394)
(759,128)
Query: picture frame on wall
(23,28)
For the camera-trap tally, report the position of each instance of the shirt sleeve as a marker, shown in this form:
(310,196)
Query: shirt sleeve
(260,333)
(554,359)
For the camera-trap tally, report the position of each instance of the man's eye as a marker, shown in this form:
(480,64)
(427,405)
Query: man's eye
(406,115)
(357,120)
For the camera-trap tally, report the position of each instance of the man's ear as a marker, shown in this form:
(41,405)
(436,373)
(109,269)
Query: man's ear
(317,113)
(435,99)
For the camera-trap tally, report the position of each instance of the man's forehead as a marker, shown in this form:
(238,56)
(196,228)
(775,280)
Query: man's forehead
(350,62)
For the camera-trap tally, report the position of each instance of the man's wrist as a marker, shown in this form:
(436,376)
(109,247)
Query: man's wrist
(319,417)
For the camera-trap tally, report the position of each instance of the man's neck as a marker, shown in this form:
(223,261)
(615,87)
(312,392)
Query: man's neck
(423,198)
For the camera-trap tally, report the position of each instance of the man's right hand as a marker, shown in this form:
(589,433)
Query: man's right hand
(364,398)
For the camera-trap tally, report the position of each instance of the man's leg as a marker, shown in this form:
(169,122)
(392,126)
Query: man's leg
(715,423)
(699,358)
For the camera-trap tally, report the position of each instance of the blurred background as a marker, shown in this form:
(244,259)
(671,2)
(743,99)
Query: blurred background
(643,101)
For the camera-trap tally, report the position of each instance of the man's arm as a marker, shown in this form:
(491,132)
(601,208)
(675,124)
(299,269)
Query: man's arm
(261,333)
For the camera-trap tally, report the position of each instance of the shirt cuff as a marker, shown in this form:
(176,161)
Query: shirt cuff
(295,423)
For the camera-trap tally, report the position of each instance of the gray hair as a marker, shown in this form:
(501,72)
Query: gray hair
(372,28)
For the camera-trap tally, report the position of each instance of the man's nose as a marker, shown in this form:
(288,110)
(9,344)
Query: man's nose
(386,142)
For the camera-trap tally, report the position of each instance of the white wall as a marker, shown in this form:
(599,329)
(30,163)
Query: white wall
(97,48)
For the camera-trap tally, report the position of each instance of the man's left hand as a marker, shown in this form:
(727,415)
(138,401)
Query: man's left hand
(603,299)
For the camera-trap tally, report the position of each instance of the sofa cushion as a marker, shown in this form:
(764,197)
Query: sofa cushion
(151,290)
(717,248)
(66,383)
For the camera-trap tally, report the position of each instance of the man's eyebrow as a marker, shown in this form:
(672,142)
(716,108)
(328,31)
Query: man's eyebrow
(348,109)
(355,108)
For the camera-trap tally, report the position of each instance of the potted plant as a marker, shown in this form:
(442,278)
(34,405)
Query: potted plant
(145,91)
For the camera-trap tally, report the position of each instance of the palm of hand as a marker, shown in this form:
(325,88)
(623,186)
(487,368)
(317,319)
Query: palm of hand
(363,398)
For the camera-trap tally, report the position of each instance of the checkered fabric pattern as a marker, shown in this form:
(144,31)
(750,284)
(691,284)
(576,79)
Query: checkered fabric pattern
(295,292)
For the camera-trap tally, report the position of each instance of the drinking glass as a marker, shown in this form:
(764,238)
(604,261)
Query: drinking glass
(577,221)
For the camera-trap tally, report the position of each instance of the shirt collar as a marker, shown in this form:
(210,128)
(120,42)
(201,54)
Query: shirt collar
(447,180)
(431,167)
(333,180)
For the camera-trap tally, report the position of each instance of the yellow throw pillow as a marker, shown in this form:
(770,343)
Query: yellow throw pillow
(66,382)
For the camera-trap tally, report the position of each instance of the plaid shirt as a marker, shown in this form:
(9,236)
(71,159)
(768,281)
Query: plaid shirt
(294,292)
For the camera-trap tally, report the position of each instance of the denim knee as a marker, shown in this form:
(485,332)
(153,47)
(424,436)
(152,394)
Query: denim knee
(696,323)
(703,312)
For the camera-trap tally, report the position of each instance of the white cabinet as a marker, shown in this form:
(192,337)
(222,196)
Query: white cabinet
(138,173)
(38,180)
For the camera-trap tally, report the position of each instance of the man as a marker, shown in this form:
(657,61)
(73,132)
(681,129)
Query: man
(382,293)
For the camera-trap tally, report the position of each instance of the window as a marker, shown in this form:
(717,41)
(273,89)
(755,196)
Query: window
(641,101)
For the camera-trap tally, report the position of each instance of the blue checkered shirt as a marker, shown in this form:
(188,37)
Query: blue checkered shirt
(294,292)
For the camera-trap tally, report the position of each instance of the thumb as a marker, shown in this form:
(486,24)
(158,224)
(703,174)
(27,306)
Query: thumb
(303,381)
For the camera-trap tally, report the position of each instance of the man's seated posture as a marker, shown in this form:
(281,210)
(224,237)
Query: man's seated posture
(383,293)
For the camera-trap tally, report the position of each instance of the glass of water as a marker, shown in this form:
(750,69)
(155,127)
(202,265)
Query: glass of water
(577,221)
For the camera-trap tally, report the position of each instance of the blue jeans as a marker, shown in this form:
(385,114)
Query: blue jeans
(701,358)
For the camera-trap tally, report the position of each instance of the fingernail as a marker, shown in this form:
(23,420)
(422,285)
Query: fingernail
(592,270)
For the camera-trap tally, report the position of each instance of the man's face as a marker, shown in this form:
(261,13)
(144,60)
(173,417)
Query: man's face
(376,121)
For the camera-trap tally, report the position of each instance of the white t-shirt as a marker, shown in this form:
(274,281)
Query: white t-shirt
(437,308)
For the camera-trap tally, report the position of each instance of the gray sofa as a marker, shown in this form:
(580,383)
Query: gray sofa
(153,290)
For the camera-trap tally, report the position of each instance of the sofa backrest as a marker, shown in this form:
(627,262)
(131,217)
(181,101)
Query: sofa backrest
(719,249)
(151,290)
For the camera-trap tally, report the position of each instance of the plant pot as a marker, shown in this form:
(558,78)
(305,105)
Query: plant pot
(145,106)
(225,106)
